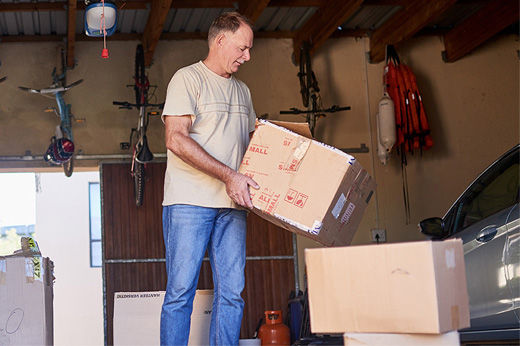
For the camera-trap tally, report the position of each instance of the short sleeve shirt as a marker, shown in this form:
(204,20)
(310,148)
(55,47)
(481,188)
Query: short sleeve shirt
(222,117)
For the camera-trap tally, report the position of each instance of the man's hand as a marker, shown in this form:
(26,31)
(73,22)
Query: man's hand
(237,187)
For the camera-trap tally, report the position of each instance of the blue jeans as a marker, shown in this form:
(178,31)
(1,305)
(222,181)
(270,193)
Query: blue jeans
(188,231)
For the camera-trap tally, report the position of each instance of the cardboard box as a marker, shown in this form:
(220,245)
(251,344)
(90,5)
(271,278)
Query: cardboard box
(26,298)
(137,318)
(306,187)
(387,339)
(414,287)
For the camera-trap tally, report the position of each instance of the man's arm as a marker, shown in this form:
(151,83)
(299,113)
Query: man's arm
(182,145)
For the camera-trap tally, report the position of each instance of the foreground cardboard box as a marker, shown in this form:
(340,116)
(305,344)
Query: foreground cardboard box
(137,318)
(26,297)
(415,287)
(386,339)
(306,187)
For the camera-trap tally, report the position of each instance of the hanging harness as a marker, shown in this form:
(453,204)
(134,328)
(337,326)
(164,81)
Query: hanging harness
(412,129)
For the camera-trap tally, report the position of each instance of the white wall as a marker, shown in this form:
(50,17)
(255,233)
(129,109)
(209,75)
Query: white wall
(62,232)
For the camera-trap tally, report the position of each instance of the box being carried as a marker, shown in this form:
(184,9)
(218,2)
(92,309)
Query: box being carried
(413,287)
(306,187)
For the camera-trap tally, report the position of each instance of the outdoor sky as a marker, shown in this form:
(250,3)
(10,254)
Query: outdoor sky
(17,199)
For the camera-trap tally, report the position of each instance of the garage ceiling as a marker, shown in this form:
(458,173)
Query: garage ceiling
(464,24)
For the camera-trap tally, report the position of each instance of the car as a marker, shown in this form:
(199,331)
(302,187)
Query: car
(486,218)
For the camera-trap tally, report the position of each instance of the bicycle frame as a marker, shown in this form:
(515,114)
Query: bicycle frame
(141,153)
(63,109)
(309,89)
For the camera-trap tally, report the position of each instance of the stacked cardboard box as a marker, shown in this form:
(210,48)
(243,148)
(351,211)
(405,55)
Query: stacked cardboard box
(26,297)
(306,187)
(137,317)
(405,288)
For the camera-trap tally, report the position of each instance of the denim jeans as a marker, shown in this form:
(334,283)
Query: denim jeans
(188,231)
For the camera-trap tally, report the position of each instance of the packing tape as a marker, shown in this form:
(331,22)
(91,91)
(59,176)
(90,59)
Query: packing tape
(3,272)
(33,269)
(455,322)
(300,149)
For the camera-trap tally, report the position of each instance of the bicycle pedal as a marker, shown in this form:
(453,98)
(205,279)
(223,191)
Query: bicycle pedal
(124,145)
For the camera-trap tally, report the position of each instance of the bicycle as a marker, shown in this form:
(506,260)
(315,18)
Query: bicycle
(310,91)
(141,152)
(63,110)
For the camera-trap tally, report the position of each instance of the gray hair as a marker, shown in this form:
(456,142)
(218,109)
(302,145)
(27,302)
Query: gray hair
(227,21)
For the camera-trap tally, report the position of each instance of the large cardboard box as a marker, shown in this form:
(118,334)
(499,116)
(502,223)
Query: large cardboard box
(414,287)
(137,318)
(387,339)
(306,187)
(26,298)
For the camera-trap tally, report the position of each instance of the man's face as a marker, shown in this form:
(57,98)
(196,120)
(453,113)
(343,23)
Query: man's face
(236,49)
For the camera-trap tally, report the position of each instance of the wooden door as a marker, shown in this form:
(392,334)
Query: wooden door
(133,249)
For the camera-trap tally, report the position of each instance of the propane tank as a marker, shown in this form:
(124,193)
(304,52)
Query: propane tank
(274,332)
(382,153)
(386,118)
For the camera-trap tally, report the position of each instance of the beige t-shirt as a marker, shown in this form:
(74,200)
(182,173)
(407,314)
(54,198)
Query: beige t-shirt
(222,117)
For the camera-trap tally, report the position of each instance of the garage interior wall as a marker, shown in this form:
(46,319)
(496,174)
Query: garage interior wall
(472,106)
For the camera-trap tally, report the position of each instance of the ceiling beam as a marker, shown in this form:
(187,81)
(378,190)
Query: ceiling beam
(166,36)
(252,9)
(414,15)
(71,32)
(324,23)
(154,27)
(494,17)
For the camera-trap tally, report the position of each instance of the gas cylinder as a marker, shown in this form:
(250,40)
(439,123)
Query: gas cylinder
(273,331)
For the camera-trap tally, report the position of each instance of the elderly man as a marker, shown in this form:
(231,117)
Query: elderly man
(208,117)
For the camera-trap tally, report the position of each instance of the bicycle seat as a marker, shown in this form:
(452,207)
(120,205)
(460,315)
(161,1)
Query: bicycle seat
(144,155)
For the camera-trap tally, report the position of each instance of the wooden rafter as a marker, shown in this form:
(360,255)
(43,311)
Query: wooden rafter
(404,24)
(323,23)
(154,28)
(475,30)
(71,32)
(252,9)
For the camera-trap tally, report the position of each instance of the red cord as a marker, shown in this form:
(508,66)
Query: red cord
(104,52)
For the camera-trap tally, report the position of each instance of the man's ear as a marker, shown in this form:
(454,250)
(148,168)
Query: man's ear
(220,39)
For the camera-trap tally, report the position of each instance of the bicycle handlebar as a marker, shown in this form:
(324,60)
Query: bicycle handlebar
(128,105)
(328,110)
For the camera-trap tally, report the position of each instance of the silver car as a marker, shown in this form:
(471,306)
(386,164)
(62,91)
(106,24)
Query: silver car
(486,218)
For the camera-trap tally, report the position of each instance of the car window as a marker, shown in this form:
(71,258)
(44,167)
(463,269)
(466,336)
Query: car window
(495,190)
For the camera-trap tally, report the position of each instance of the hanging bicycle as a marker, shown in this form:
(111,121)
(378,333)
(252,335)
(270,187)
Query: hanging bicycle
(310,91)
(61,149)
(138,141)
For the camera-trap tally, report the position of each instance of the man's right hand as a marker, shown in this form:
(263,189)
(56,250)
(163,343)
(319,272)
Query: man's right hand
(237,188)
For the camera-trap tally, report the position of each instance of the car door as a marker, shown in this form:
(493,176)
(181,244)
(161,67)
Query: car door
(486,219)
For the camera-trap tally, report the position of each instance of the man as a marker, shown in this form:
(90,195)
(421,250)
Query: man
(208,116)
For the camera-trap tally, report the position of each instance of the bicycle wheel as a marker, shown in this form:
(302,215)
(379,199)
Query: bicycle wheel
(138,183)
(140,87)
(305,74)
(68,167)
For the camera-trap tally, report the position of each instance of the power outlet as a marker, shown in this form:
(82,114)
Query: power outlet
(378,235)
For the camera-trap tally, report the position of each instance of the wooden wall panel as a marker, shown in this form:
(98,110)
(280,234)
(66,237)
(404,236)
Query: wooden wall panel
(131,233)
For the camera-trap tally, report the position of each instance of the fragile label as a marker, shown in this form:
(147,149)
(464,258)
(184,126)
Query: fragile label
(348,213)
(339,206)
(297,198)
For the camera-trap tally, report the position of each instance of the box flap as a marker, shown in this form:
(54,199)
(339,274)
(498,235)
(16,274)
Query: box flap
(300,128)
